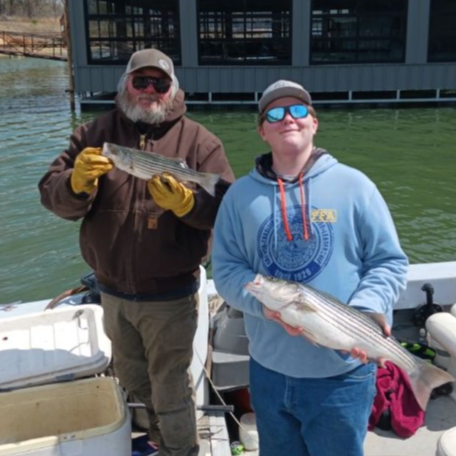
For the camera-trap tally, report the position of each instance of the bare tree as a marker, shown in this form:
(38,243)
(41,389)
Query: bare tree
(31,8)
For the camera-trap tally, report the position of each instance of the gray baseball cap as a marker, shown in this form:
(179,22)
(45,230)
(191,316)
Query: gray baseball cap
(151,58)
(282,89)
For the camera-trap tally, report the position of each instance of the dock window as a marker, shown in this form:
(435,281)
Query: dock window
(117,28)
(358,31)
(442,31)
(244,32)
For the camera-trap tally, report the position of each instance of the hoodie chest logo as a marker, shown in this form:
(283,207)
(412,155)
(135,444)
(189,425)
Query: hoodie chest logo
(299,259)
(324,216)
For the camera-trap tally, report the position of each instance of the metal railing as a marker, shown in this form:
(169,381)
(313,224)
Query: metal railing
(45,46)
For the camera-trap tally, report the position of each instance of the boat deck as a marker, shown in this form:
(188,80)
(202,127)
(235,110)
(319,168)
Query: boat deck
(213,434)
(440,416)
(214,439)
(213,430)
(440,413)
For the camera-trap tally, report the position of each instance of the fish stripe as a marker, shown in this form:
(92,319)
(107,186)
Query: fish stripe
(362,326)
(154,170)
(153,165)
(357,325)
(158,160)
(147,164)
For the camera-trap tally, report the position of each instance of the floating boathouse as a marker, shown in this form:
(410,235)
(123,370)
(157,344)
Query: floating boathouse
(228,51)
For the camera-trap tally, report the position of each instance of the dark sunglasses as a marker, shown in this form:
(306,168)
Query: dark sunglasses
(161,85)
(277,114)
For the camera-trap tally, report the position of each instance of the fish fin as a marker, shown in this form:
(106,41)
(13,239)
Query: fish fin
(309,336)
(304,305)
(379,318)
(306,333)
(208,182)
(425,378)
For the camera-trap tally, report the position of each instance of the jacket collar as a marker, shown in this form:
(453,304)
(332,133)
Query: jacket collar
(263,163)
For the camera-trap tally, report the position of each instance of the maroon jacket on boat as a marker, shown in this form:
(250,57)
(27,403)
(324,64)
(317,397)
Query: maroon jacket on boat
(394,394)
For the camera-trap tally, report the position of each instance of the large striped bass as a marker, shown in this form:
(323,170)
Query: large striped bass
(327,322)
(145,165)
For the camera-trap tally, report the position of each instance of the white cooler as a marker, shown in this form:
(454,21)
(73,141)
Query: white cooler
(46,408)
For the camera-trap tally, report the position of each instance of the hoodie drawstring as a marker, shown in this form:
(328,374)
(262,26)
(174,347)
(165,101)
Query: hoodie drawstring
(284,208)
(275,224)
(303,207)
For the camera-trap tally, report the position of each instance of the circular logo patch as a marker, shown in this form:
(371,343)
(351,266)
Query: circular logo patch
(298,260)
(163,64)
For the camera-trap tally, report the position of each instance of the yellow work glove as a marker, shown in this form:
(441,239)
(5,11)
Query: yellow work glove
(88,167)
(171,195)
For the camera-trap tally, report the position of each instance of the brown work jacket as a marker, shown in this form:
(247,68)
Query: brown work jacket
(133,246)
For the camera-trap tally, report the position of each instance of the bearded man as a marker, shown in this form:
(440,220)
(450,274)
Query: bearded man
(145,240)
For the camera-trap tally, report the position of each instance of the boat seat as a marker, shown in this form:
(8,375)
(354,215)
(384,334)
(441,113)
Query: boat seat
(447,443)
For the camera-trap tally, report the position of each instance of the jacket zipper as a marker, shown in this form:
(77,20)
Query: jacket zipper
(142,142)
(142,146)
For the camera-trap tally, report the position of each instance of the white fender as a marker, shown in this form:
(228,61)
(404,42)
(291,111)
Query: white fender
(442,328)
(453,310)
(447,443)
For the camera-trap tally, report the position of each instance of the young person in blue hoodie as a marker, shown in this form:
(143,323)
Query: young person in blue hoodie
(301,215)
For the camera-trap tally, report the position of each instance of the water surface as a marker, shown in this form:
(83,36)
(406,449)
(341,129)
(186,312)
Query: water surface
(409,153)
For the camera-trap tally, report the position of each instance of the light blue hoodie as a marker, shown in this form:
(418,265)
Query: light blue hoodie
(352,252)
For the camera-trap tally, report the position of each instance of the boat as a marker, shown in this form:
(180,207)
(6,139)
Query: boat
(220,370)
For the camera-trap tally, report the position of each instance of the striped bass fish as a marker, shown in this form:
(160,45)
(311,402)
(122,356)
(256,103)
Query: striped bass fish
(327,322)
(145,165)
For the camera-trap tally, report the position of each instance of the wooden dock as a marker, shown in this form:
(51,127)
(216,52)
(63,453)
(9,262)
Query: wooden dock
(43,46)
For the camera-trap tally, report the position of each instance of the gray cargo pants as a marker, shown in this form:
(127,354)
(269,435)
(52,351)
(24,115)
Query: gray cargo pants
(152,343)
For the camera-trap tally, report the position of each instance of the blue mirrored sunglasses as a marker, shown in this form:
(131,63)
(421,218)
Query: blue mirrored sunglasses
(277,114)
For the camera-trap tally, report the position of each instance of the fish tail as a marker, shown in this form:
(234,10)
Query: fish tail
(208,182)
(425,378)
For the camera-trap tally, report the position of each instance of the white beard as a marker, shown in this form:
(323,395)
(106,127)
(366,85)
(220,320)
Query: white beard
(153,115)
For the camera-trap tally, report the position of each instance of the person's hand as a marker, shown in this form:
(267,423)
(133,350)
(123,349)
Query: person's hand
(275,316)
(171,195)
(88,167)
(362,355)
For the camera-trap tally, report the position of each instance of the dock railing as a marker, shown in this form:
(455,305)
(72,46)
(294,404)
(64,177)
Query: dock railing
(45,46)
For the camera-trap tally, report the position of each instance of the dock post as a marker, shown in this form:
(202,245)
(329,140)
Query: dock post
(69,57)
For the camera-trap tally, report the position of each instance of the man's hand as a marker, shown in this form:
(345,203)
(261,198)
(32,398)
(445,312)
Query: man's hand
(171,195)
(362,355)
(275,316)
(88,167)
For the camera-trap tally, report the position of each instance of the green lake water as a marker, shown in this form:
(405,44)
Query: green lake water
(409,153)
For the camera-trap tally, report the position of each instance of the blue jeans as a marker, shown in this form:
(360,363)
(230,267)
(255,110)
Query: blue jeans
(312,416)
